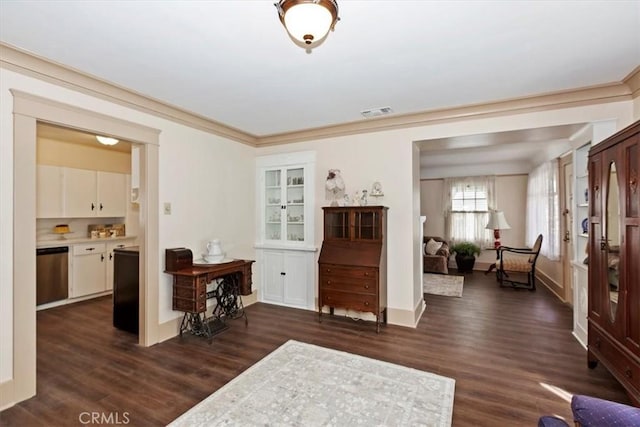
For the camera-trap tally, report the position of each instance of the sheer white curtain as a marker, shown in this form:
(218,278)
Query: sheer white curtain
(543,209)
(467,202)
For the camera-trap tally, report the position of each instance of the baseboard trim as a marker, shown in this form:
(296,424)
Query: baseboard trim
(406,318)
(551,284)
(170,329)
(579,340)
(7,398)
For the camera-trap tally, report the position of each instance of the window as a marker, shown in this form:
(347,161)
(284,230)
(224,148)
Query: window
(467,204)
(543,211)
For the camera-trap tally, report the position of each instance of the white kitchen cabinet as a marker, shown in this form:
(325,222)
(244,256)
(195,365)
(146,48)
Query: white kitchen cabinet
(112,194)
(49,194)
(89,269)
(288,278)
(94,193)
(80,193)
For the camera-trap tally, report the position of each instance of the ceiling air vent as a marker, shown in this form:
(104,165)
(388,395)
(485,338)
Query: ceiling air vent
(375,112)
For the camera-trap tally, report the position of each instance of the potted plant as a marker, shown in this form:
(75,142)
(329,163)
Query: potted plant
(465,255)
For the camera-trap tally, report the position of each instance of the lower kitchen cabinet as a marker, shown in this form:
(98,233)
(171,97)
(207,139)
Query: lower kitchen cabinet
(287,277)
(92,267)
(89,269)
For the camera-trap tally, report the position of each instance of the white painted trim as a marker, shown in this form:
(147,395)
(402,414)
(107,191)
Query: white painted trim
(27,110)
(286,159)
(285,247)
(6,395)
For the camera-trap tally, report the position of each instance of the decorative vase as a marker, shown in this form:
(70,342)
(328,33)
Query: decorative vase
(465,263)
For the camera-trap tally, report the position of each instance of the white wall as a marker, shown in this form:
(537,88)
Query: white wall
(636,108)
(208,179)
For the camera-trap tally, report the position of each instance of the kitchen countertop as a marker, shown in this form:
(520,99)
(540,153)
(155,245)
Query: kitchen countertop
(69,242)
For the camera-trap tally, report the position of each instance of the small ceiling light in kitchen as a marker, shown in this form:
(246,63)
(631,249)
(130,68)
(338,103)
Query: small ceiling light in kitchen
(308,21)
(106,140)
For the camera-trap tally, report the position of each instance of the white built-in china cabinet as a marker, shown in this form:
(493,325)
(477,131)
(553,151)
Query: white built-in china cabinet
(285,230)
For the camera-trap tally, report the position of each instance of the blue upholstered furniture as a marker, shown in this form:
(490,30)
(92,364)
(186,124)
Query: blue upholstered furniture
(592,412)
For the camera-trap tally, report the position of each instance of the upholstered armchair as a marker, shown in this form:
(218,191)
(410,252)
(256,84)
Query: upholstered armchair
(592,412)
(518,260)
(435,261)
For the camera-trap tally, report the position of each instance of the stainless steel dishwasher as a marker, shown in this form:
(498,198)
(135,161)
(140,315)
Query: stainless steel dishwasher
(52,274)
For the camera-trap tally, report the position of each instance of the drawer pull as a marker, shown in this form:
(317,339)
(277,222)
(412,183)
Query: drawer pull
(598,342)
(90,249)
(366,273)
(628,373)
(366,303)
(328,270)
(366,286)
(328,282)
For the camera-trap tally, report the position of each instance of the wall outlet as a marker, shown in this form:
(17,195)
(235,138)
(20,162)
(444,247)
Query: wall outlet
(167,208)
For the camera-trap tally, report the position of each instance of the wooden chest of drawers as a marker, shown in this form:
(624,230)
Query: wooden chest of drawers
(352,263)
(190,294)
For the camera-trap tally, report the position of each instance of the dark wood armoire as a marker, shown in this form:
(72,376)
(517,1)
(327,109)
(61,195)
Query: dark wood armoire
(614,257)
(353,261)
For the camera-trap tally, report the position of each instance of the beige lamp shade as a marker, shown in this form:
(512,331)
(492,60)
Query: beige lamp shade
(497,221)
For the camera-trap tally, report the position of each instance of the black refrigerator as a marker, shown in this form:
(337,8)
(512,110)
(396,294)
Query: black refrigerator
(126,289)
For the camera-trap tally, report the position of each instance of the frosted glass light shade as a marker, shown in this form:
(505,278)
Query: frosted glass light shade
(106,140)
(308,21)
(497,221)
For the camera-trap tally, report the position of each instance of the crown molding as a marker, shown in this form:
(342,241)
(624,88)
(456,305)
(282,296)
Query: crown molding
(32,65)
(612,92)
(633,81)
(26,63)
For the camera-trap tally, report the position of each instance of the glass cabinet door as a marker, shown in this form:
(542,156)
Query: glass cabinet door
(295,205)
(366,225)
(336,224)
(273,205)
(284,204)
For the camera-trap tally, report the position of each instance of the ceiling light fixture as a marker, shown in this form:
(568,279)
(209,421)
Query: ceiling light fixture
(106,140)
(308,21)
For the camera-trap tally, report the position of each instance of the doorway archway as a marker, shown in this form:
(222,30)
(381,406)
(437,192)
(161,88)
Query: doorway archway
(28,110)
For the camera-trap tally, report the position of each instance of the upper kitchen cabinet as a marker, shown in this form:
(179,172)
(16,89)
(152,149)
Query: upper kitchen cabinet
(94,193)
(49,195)
(79,193)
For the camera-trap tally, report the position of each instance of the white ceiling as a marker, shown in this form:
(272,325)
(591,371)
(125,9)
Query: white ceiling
(233,62)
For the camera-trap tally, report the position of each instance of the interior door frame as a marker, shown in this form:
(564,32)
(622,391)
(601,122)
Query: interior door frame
(28,110)
(566,226)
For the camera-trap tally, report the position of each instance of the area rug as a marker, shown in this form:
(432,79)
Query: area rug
(305,385)
(442,284)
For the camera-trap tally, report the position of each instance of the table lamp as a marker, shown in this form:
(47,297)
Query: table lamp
(496,223)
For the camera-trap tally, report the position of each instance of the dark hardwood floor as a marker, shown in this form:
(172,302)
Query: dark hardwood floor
(511,353)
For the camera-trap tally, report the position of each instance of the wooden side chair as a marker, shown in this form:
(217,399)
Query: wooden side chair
(518,260)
